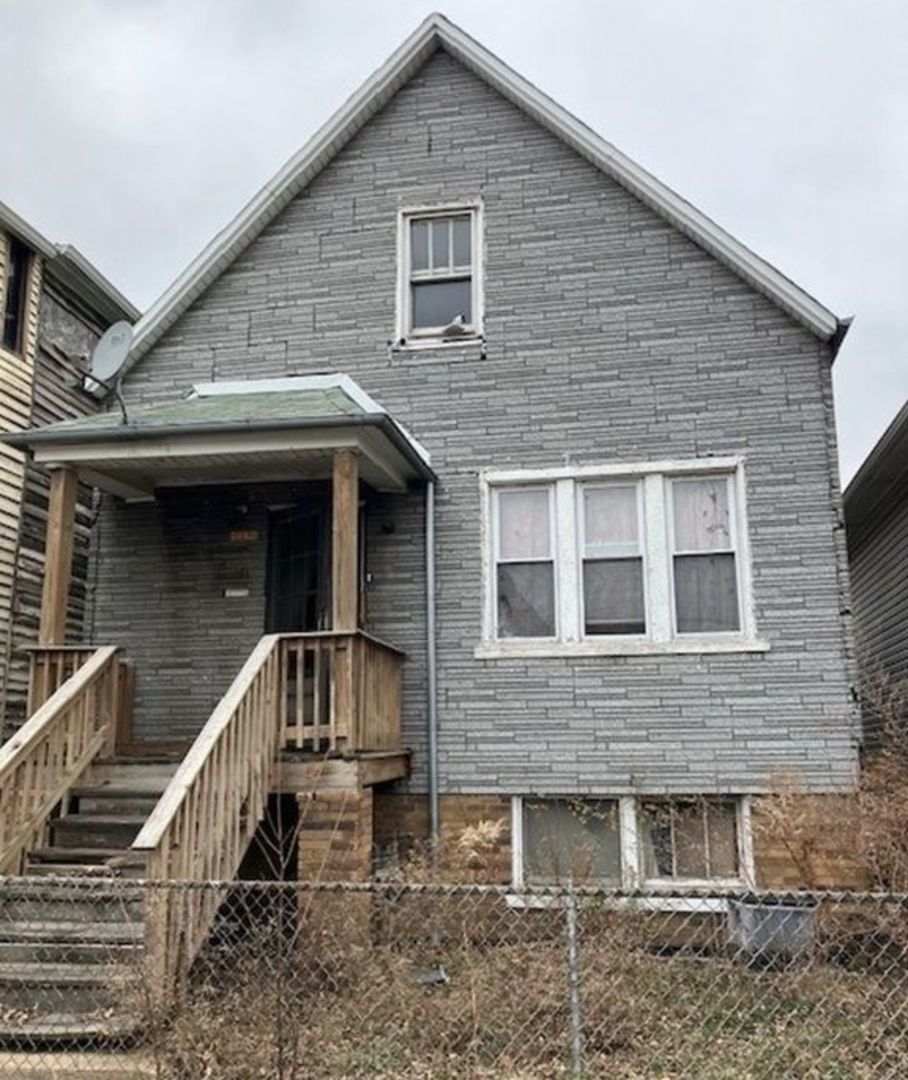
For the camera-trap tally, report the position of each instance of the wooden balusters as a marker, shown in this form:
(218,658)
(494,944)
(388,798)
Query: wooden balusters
(45,758)
(340,692)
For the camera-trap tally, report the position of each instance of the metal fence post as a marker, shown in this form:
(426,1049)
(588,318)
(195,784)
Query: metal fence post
(573,966)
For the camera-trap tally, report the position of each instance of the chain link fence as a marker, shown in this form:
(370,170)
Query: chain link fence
(410,981)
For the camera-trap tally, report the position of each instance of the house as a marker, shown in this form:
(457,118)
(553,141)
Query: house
(876,516)
(55,306)
(504,478)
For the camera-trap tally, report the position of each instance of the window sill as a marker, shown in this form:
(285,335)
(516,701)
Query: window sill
(699,905)
(526,649)
(473,342)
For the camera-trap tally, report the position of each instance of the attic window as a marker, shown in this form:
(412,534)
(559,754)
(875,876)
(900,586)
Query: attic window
(13,295)
(439,286)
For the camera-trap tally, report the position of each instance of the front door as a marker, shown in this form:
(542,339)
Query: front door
(299,568)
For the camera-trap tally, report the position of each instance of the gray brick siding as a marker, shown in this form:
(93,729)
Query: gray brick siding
(610,337)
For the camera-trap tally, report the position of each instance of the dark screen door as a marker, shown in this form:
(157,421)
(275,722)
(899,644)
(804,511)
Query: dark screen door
(298,569)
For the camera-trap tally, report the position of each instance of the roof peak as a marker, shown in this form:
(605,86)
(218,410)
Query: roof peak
(434,31)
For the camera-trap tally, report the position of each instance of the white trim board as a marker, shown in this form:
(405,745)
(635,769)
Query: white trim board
(435,33)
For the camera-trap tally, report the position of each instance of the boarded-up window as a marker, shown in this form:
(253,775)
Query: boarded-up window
(704,562)
(576,840)
(613,600)
(525,570)
(690,838)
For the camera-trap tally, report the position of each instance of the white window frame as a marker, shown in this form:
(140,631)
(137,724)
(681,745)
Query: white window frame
(599,485)
(630,836)
(553,557)
(735,527)
(431,337)
(654,479)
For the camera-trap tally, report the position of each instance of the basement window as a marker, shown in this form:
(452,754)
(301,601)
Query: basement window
(571,840)
(631,842)
(14,294)
(439,279)
(687,840)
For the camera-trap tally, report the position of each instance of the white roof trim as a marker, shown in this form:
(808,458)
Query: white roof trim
(436,32)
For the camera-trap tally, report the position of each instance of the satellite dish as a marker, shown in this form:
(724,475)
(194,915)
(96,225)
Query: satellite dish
(110,352)
(107,362)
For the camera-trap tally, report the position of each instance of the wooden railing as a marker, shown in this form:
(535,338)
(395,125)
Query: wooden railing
(48,754)
(49,668)
(340,691)
(51,665)
(323,692)
(204,821)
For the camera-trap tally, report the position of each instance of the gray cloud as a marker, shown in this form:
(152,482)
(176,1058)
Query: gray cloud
(137,128)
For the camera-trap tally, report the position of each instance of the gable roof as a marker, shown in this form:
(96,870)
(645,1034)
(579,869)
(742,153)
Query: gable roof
(435,33)
(68,268)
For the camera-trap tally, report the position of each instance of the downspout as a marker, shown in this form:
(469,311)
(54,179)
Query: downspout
(431,669)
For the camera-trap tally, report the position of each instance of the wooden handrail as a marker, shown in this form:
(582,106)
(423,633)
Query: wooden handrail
(48,754)
(204,821)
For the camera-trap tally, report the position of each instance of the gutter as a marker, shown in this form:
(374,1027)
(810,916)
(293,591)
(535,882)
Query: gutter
(432,672)
(841,329)
(23,440)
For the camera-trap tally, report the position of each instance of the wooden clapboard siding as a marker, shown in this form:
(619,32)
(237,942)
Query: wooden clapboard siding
(16,392)
(53,395)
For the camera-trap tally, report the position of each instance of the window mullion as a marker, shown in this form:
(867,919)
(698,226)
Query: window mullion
(631,868)
(567,554)
(658,559)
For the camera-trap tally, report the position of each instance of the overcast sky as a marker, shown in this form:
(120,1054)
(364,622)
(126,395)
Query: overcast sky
(135,129)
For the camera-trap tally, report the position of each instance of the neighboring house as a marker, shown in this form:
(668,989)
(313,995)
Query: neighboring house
(465,383)
(55,306)
(876,516)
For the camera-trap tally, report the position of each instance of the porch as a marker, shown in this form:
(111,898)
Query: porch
(313,702)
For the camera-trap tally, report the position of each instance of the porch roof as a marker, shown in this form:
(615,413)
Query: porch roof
(255,431)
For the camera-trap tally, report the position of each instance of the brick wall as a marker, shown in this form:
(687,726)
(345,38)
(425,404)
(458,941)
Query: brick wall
(610,337)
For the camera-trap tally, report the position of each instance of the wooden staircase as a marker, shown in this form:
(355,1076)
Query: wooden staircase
(103,816)
(79,823)
(68,946)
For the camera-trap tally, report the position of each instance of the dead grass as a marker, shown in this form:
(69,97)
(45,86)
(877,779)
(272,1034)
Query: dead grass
(431,1004)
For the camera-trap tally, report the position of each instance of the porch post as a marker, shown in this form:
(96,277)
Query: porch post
(58,556)
(344,537)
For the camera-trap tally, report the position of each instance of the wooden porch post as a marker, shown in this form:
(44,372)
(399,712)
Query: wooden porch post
(344,539)
(58,556)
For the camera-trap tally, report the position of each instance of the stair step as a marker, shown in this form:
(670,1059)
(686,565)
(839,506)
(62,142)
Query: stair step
(75,1065)
(34,900)
(64,988)
(96,830)
(42,954)
(150,779)
(65,1029)
(95,857)
(114,800)
(52,931)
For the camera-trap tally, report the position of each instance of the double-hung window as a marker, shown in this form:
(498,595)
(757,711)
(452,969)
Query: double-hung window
(439,287)
(637,558)
(612,579)
(524,563)
(704,562)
